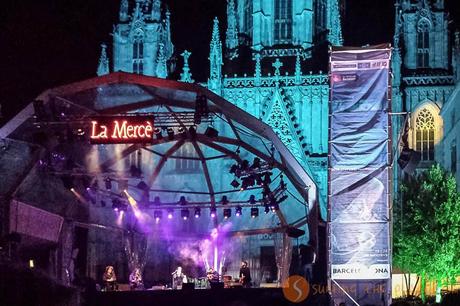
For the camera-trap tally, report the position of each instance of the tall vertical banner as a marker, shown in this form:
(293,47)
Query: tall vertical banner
(359,176)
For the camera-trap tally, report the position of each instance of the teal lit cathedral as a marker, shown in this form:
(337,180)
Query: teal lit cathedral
(272,63)
(426,68)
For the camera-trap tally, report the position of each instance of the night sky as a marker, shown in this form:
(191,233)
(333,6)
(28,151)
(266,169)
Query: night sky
(48,43)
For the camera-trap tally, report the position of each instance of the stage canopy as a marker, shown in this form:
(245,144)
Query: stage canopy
(47,153)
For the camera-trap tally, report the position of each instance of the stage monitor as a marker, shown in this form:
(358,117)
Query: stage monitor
(121,129)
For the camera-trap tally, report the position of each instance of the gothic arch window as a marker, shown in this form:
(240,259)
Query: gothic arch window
(425,129)
(248,16)
(283,21)
(138,53)
(184,165)
(423,43)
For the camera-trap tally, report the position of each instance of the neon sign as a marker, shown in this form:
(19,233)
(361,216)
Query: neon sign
(121,129)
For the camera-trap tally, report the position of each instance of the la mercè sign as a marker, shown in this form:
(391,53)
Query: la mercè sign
(121,129)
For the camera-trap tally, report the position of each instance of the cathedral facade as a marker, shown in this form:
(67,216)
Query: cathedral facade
(426,69)
(272,61)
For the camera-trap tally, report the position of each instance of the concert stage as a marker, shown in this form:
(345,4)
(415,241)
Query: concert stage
(214,297)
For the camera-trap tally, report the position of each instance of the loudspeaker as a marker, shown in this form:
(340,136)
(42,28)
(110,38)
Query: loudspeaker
(408,160)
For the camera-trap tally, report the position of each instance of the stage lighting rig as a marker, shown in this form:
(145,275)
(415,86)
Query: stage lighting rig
(201,108)
(185,214)
(170,213)
(227,213)
(224,200)
(182,201)
(108,183)
(157,214)
(254,212)
(238,211)
(197,212)
(213,212)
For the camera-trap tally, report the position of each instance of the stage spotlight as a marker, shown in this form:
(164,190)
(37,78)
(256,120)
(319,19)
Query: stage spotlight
(224,200)
(227,213)
(158,134)
(275,207)
(108,183)
(267,178)
(192,132)
(170,214)
(282,183)
(254,212)
(211,132)
(244,184)
(197,212)
(157,201)
(256,163)
(185,214)
(182,132)
(283,198)
(170,132)
(244,165)
(233,169)
(238,211)
(252,199)
(266,209)
(259,181)
(182,201)
(235,184)
(157,214)
(213,212)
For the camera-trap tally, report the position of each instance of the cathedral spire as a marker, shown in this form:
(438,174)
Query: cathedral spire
(124,10)
(161,71)
(334,24)
(186,75)
(298,69)
(456,56)
(103,67)
(156,10)
(232,31)
(167,42)
(138,15)
(215,59)
(258,72)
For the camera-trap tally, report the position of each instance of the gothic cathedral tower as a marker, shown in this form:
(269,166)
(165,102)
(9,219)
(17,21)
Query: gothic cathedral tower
(423,73)
(274,67)
(141,40)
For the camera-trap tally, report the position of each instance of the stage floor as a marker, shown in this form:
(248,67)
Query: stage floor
(206,297)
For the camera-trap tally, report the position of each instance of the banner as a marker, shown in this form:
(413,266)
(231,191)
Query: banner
(359,228)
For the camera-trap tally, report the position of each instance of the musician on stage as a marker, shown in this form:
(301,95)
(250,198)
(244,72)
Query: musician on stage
(178,278)
(110,279)
(135,280)
(212,275)
(245,275)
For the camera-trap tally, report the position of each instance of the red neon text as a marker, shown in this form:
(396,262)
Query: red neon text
(121,130)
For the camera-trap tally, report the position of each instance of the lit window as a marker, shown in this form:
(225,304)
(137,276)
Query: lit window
(283,21)
(138,53)
(423,44)
(424,134)
(188,162)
